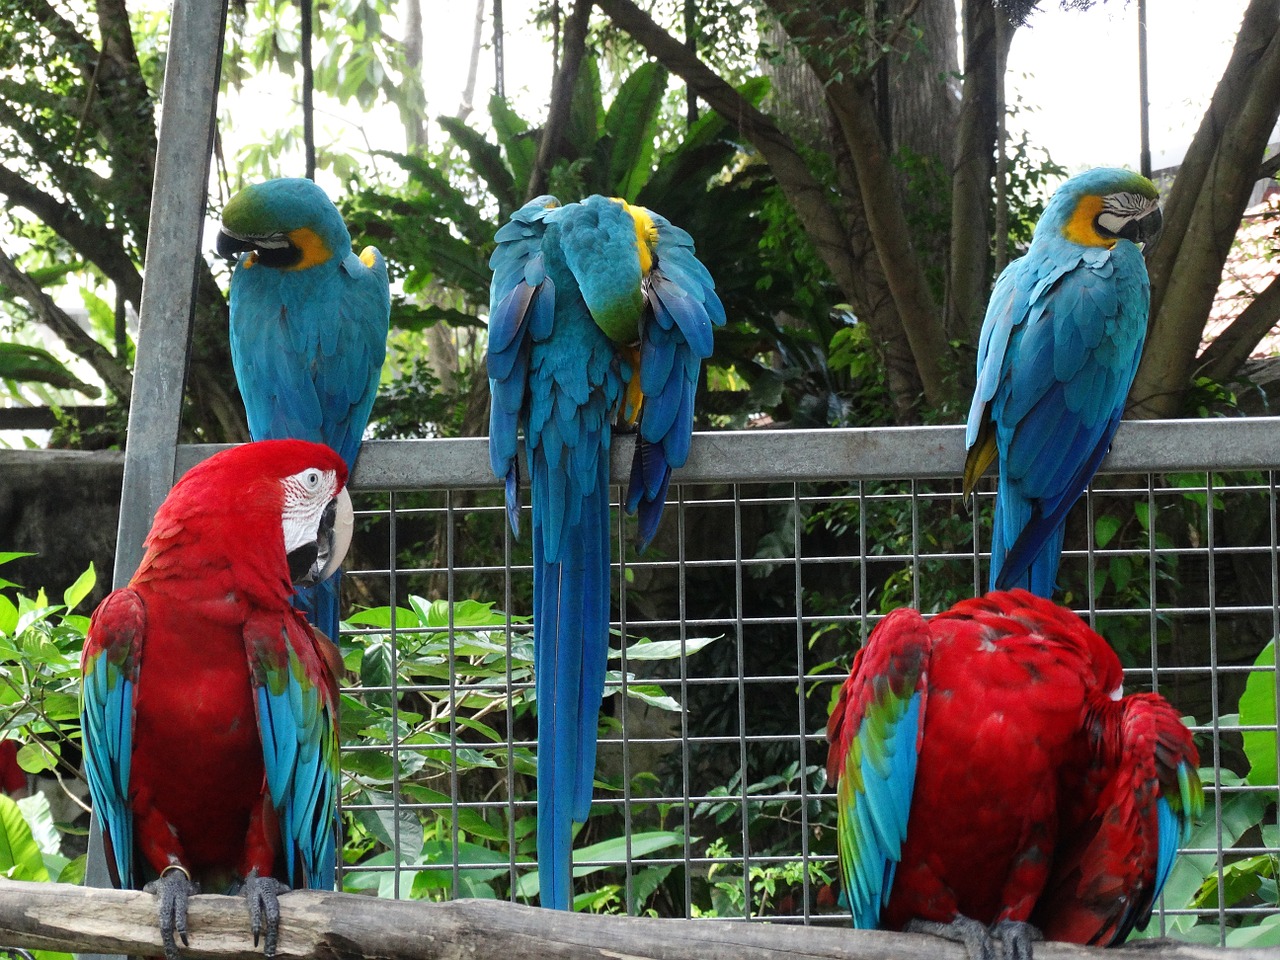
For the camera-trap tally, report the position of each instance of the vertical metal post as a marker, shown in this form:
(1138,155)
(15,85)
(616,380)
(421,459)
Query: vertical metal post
(1144,107)
(178,198)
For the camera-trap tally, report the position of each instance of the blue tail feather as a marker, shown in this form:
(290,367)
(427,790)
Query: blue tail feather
(320,604)
(571,635)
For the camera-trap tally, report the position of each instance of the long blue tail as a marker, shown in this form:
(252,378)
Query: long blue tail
(320,604)
(571,640)
(1017,561)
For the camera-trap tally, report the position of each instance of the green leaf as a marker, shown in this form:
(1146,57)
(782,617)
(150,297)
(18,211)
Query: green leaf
(632,124)
(35,810)
(383,823)
(521,148)
(20,856)
(1264,934)
(36,365)
(80,589)
(486,158)
(1105,528)
(1258,708)
(616,848)
(645,649)
(586,112)
(35,759)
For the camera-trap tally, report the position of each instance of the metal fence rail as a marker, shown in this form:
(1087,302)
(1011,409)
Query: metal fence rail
(778,552)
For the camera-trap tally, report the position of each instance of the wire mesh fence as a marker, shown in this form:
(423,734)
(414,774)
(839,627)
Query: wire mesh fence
(778,553)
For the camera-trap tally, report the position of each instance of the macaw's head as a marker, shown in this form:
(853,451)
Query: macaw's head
(1101,207)
(278,508)
(287,224)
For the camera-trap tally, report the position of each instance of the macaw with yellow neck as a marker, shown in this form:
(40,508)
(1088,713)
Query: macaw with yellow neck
(598,310)
(1058,351)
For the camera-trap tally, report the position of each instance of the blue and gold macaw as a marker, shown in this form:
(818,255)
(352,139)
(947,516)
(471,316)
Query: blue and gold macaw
(309,323)
(1057,354)
(597,309)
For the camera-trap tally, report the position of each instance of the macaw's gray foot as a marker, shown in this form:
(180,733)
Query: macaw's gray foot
(1017,938)
(262,893)
(173,888)
(977,941)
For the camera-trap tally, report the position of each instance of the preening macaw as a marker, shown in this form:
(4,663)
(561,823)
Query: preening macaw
(1057,354)
(309,325)
(992,782)
(209,705)
(597,309)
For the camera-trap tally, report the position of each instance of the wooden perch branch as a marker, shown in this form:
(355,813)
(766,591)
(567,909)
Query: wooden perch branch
(339,926)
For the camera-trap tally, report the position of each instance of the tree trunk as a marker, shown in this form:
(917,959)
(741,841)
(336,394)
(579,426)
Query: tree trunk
(971,172)
(1205,208)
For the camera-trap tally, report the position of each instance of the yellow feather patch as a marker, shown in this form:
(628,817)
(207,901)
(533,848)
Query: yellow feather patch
(250,259)
(313,248)
(646,233)
(1080,228)
(368,256)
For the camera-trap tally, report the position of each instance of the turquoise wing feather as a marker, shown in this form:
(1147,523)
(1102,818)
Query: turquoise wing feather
(675,337)
(295,696)
(874,732)
(109,664)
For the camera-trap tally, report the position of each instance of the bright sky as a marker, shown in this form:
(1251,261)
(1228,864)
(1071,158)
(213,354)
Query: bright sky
(1081,71)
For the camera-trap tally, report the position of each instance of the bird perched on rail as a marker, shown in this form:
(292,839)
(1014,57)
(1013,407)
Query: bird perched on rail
(209,704)
(994,785)
(1057,354)
(598,310)
(309,322)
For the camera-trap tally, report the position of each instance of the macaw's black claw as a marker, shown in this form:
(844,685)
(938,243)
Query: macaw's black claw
(977,941)
(262,895)
(173,888)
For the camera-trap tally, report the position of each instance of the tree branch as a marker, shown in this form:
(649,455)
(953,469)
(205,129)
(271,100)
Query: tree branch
(338,926)
(99,245)
(1221,359)
(112,371)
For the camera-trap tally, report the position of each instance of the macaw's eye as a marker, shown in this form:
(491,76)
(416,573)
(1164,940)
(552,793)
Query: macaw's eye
(312,479)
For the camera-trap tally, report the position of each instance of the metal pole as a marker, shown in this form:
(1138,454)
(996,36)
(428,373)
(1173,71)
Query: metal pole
(168,291)
(1144,119)
(169,275)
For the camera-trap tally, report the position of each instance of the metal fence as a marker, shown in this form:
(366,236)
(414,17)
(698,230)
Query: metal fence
(778,552)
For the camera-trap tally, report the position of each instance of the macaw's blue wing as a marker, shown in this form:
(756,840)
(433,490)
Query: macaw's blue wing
(675,337)
(295,696)
(874,733)
(1059,351)
(522,302)
(109,663)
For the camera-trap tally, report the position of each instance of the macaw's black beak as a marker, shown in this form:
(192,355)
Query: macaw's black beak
(317,561)
(1144,229)
(230,247)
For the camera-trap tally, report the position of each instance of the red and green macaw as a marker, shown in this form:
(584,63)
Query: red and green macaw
(210,705)
(309,323)
(993,783)
(1057,354)
(598,310)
